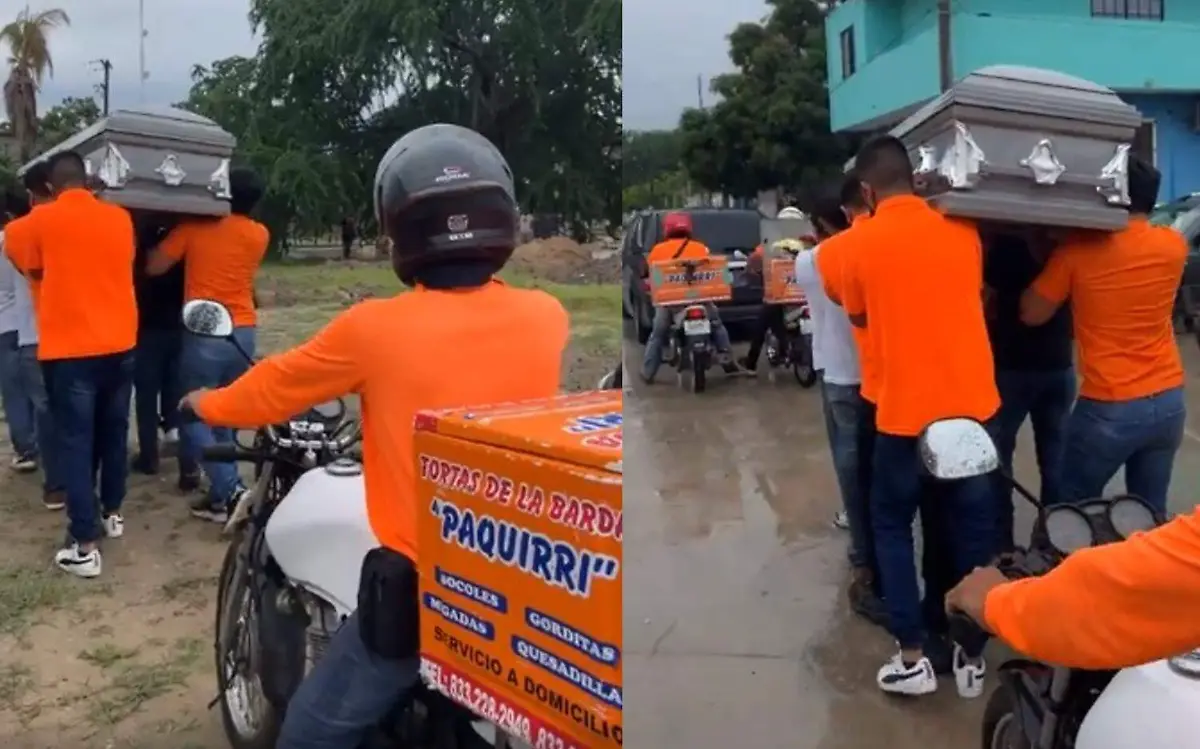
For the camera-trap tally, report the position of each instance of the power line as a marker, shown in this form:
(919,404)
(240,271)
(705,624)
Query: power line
(105,66)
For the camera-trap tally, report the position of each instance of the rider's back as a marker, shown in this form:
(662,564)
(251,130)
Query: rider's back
(440,349)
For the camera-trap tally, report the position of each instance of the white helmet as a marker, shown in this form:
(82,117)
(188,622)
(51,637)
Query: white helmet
(790,212)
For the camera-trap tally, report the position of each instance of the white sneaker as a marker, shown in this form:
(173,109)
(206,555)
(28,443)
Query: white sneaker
(72,560)
(898,677)
(968,674)
(24,463)
(114,525)
(171,436)
(841,520)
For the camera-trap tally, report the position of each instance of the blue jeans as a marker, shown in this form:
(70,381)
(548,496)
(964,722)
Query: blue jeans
(212,363)
(1141,434)
(663,317)
(1046,398)
(348,693)
(844,422)
(18,407)
(157,390)
(89,400)
(959,530)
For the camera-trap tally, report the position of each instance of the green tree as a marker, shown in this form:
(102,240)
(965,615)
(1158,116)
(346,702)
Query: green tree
(65,119)
(335,82)
(649,154)
(29,62)
(770,127)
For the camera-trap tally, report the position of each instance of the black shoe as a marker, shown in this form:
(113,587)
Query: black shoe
(144,465)
(189,482)
(745,363)
(865,602)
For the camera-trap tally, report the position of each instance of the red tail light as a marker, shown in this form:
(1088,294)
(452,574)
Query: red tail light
(695,313)
(646,285)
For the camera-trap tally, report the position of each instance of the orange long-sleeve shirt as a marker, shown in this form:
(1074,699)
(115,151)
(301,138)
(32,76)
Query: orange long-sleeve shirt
(1108,607)
(416,351)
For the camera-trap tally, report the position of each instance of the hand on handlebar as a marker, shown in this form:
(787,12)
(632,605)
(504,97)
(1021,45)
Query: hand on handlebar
(969,596)
(188,402)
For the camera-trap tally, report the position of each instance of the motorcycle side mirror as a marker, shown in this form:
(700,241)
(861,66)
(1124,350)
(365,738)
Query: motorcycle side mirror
(207,318)
(957,449)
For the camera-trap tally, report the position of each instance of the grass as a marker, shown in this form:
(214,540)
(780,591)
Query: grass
(317,291)
(26,591)
(135,683)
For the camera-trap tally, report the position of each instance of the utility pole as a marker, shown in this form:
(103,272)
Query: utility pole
(142,74)
(700,91)
(945,58)
(105,66)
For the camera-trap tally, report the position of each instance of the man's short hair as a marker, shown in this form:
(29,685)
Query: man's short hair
(246,189)
(851,192)
(883,164)
(66,169)
(827,213)
(1144,181)
(37,179)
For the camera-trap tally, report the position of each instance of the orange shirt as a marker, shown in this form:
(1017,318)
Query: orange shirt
(420,350)
(1108,607)
(1121,288)
(831,266)
(666,249)
(917,276)
(222,256)
(84,250)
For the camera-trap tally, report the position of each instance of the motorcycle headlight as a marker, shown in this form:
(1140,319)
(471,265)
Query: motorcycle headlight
(1187,664)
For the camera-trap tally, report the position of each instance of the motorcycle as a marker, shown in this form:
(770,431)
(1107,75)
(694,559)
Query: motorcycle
(690,346)
(1040,706)
(290,576)
(796,352)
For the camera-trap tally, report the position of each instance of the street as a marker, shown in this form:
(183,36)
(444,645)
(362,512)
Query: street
(736,627)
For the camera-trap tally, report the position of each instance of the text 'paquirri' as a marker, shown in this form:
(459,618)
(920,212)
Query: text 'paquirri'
(557,563)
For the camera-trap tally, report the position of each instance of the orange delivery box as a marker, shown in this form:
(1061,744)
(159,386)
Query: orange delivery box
(779,281)
(690,281)
(520,531)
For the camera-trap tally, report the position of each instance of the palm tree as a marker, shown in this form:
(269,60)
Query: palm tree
(29,63)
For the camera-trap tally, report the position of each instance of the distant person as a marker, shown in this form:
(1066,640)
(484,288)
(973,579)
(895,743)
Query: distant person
(771,317)
(679,244)
(1035,375)
(1121,289)
(157,378)
(349,234)
(221,258)
(914,283)
(80,252)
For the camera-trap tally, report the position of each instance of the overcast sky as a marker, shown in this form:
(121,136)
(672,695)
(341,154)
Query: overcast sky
(181,33)
(666,44)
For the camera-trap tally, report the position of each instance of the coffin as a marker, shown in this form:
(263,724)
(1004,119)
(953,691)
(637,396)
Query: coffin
(1025,145)
(156,159)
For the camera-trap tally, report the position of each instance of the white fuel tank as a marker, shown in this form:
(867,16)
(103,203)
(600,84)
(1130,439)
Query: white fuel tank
(1149,707)
(320,533)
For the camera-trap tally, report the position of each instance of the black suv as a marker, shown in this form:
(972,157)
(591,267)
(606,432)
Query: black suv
(1187,303)
(733,232)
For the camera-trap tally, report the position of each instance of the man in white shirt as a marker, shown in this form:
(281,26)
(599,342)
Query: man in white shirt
(848,418)
(21,384)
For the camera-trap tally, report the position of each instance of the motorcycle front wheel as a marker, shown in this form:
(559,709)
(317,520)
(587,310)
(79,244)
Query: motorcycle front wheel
(802,362)
(1001,728)
(249,720)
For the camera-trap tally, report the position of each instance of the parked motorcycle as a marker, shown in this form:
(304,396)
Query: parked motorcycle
(290,576)
(1039,706)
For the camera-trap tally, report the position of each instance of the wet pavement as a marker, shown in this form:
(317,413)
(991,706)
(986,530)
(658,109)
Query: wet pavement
(736,628)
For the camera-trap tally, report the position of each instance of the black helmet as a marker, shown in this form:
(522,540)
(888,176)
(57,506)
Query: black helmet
(444,195)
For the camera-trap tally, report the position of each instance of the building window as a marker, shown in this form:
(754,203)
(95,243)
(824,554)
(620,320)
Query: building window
(847,43)
(1147,10)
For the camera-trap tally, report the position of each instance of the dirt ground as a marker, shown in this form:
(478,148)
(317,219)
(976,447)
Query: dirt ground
(126,661)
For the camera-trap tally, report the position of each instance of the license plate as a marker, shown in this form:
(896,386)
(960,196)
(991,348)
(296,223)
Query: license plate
(696,327)
(805,326)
